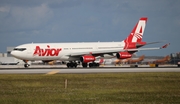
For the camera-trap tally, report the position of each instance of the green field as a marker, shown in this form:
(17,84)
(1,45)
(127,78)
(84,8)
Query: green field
(104,88)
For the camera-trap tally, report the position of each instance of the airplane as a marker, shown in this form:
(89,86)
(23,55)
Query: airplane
(161,61)
(141,58)
(85,52)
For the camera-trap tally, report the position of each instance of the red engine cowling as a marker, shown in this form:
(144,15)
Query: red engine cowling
(123,55)
(87,58)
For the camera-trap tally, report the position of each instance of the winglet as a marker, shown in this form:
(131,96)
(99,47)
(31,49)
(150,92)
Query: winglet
(165,46)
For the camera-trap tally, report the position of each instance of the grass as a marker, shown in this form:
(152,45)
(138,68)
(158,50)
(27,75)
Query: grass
(104,88)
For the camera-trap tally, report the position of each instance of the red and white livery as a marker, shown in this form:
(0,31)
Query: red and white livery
(86,52)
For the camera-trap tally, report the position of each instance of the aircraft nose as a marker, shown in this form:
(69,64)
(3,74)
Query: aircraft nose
(15,54)
(12,53)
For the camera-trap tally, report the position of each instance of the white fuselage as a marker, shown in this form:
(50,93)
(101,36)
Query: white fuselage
(62,51)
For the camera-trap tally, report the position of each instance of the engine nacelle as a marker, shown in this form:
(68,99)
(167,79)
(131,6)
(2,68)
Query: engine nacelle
(87,58)
(123,55)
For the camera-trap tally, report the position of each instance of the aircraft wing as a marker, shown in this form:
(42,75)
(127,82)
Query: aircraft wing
(114,51)
(155,42)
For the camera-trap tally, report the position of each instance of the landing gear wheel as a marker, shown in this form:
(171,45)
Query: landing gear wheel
(93,65)
(26,65)
(72,64)
(68,65)
(84,65)
(90,65)
(75,65)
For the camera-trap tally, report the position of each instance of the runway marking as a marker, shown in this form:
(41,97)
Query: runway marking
(84,70)
(52,72)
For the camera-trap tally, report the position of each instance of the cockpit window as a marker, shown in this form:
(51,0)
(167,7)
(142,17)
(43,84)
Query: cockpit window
(20,49)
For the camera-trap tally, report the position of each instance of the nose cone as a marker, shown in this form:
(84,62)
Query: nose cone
(14,54)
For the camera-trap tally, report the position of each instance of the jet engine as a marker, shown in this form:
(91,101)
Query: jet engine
(123,55)
(87,58)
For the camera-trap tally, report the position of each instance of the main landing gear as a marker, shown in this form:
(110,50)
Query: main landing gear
(72,64)
(84,65)
(91,65)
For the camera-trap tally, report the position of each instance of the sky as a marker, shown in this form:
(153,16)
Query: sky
(27,21)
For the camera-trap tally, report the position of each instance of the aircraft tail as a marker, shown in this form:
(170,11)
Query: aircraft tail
(136,34)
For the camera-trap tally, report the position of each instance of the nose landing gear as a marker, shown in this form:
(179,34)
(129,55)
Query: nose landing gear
(26,65)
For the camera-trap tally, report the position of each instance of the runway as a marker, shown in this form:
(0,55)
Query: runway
(84,70)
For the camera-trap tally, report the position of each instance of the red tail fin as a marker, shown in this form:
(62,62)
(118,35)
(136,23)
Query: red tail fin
(136,35)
